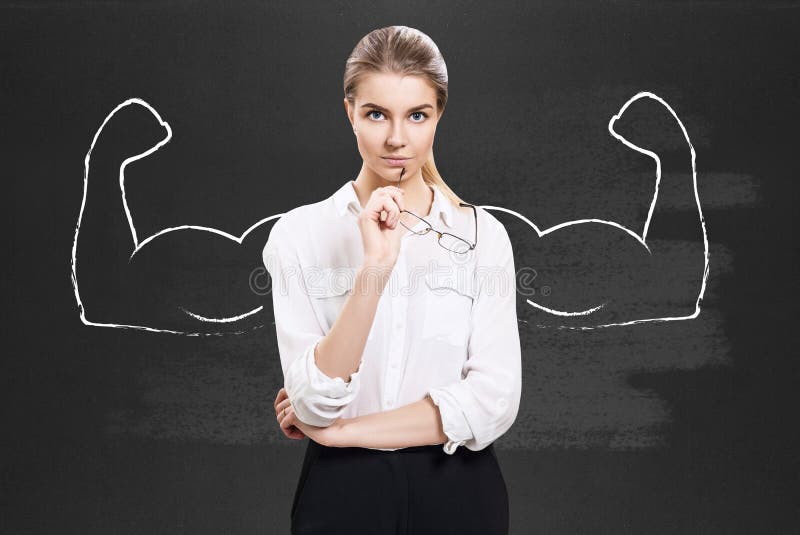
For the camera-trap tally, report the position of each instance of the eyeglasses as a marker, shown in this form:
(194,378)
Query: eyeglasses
(451,242)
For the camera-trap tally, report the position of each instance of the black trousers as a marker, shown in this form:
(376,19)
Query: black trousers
(412,491)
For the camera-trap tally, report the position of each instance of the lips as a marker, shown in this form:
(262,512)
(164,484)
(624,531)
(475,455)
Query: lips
(395,161)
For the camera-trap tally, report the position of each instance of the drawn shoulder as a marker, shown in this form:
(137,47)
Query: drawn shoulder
(487,221)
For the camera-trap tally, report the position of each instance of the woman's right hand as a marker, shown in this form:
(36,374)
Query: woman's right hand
(284,412)
(380,227)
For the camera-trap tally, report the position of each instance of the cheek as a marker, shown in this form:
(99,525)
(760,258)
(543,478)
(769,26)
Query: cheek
(426,137)
(368,143)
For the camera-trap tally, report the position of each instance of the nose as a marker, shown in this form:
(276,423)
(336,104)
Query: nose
(397,136)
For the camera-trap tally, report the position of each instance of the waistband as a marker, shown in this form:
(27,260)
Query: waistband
(432,449)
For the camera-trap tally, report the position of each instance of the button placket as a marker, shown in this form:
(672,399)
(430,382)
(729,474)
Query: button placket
(397,339)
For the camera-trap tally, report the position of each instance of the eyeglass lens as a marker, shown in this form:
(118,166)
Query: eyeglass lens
(453,243)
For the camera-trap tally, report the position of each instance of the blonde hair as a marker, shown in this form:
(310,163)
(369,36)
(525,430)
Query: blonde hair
(406,51)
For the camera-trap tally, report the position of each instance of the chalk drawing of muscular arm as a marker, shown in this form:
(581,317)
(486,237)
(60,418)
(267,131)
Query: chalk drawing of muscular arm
(592,273)
(187,279)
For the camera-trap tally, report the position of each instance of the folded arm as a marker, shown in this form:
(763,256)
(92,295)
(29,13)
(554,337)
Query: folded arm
(477,409)
(318,399)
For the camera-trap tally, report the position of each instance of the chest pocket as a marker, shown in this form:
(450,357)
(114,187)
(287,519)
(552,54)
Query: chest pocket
(329,292)
(448,306)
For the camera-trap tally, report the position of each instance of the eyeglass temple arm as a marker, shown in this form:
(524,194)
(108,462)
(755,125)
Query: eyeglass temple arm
(475,213)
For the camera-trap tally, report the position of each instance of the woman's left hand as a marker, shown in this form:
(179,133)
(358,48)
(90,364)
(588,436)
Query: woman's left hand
(295,429)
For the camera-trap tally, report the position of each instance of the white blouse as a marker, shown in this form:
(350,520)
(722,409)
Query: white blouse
(445,326)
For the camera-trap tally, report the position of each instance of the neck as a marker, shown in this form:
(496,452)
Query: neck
(418,196)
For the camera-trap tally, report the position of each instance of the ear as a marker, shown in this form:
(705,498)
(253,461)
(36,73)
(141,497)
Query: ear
(348,111)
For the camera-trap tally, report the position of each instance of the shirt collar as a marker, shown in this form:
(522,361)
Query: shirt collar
(345,199)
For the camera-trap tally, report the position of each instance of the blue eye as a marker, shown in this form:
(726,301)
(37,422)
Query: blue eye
(369,114)
(419,113)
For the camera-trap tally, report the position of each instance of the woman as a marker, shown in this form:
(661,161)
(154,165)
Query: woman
(401,392)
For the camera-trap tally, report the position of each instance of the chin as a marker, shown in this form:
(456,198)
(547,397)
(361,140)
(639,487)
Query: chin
(391,174)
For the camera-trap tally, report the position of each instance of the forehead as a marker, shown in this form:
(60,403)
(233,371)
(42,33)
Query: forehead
(395,91)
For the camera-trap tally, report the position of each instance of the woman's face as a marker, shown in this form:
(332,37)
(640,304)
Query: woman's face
(394,115)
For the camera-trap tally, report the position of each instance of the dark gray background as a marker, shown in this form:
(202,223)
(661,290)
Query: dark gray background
(685,427)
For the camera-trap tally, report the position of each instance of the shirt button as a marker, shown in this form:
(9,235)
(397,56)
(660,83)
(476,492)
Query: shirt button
(394,365)
(389,402)
(398,326)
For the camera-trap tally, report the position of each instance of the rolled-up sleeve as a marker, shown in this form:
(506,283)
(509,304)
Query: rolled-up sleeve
(479,408)
(317,398)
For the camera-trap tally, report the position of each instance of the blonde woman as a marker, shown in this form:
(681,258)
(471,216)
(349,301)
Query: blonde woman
(396,324)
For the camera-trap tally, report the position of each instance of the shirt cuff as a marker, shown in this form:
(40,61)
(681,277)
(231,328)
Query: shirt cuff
(454,424)
(318,399)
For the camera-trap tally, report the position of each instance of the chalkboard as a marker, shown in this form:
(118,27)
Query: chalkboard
(641,156)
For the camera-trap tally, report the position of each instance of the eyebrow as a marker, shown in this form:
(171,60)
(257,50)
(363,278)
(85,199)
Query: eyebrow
(381,108)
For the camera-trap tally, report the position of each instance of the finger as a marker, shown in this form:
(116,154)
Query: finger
(283,415)
(293,428)
(397,196)
(282,421)
(293,433)
(383,204)
(283,406)
(391,204)
(281,395)
(395,188)
(287,420)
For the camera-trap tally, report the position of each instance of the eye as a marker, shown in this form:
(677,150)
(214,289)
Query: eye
(421,116)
